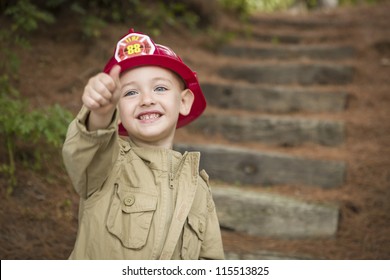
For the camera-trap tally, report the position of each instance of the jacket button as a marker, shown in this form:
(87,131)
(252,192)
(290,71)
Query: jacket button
(129,200)
(201,227)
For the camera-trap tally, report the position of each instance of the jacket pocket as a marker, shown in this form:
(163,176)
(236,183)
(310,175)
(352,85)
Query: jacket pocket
(193,235)
(130,216)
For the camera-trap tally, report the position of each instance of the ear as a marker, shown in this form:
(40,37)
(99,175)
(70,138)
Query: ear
(186,100)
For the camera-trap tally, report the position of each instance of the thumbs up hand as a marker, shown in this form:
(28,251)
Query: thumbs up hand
(101,95)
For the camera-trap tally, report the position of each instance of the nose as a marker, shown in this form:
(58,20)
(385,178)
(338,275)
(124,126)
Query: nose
(147,99)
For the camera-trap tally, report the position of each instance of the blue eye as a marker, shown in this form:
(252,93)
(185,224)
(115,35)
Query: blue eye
(160,89)
(131,93)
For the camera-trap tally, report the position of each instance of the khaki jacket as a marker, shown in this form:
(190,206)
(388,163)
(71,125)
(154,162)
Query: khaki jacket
(138,203)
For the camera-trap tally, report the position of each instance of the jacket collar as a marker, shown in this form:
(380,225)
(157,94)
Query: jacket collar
(162,159)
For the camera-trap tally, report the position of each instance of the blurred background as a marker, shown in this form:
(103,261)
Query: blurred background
(295,137)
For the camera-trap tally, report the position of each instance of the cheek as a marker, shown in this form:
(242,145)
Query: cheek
(125,109)
(126,105)
(176,102)
(120,105)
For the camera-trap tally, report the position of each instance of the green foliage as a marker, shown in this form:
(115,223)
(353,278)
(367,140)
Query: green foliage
(218,38)
(160,14)
(27,16)
(241,7)
(247,7)
(19,124)
(93,15)
(9,60)
(356,2)
(274,5)
(92,26)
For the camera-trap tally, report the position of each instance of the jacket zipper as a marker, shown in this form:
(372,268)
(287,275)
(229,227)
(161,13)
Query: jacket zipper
(170,176)
(174,173)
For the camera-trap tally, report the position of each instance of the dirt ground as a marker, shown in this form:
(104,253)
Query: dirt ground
(39,220)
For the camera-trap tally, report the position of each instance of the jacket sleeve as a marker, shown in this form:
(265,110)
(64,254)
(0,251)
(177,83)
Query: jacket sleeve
(89,155)
(212,247)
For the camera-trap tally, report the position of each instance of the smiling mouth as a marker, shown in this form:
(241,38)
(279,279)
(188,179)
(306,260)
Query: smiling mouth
(149,116)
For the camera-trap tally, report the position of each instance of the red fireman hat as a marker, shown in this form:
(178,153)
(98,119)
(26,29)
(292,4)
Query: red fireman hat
(136,49)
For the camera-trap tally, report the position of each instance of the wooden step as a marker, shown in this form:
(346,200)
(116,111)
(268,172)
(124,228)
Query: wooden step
(283,38)
(266,255)
(298,23)
(244,166)
(317,52)
(273,99)
(279,131)
(283,74)
(272,215)
(277,38)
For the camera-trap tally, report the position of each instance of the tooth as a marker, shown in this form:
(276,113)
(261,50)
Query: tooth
(149,116)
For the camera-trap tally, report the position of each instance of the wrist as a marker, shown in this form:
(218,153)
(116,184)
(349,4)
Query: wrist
(101,120)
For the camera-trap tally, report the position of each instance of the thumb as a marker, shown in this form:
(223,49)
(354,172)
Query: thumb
(114,74)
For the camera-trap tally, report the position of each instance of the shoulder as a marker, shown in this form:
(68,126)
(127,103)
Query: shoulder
(204,179)
(205,188)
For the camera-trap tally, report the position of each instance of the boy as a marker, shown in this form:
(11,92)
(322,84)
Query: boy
(139,199)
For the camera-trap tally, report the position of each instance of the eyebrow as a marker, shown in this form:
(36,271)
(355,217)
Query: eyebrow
(163,80)
(156,79)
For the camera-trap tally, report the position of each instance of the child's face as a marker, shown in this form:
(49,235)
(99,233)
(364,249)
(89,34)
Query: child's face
(151,101)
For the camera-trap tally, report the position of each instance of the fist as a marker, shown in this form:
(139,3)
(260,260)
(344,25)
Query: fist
(102,92)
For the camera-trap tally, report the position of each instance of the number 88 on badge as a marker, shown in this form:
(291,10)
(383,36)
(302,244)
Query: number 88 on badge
(133,45)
